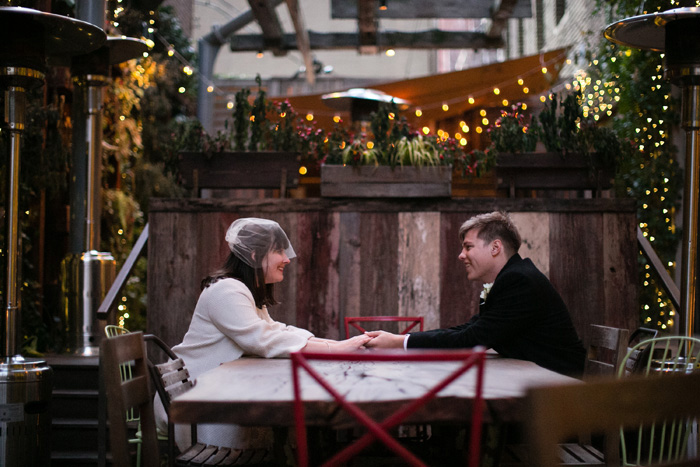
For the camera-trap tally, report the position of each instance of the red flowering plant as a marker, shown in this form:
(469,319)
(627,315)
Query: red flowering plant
(561,127)
(259,125)
(393,142)
(513,132)
(474,163)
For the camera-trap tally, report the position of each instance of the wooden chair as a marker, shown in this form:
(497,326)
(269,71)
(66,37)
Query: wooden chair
(606,348)
(639,335)
(658,358)
(556,413)
(353,321)
(131,393)
(171,379)
(473,358)
(132,417)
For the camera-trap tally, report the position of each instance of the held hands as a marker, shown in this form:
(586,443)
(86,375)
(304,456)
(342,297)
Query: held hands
(350,345)
(384,340)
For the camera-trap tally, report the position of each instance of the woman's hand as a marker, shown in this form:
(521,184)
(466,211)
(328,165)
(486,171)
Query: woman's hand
(350,345)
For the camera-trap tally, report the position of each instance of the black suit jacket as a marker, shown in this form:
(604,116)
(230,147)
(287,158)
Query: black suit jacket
(523,317)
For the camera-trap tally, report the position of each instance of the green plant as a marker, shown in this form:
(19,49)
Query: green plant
(512,132)
(647,114)
(561,127)
(393,142)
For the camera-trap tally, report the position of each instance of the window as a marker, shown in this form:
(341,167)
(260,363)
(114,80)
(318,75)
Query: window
(539,15)
(521,38)
(560,9)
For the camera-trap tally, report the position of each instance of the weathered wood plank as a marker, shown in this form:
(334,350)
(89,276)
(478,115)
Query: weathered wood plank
(427,39)
(349,266)
(412,9)
(576,260)
(459,297)
(239,169)
(285,292)
(317,297)
(378,268)
(620,272)
(249,206)
(419,266)
(173,279)
(385,181)
(534,232)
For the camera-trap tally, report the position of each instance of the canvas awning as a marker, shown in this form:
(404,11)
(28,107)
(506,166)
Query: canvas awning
(455,89)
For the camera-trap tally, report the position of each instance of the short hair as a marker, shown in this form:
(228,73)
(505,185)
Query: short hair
(493,225)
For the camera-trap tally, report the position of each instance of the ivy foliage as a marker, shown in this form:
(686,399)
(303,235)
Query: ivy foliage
(647,114)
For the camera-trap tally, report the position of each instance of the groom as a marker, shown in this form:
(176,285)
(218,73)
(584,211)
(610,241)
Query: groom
(521,315)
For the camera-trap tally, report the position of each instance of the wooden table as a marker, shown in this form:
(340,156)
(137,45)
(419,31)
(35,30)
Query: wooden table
(258,392)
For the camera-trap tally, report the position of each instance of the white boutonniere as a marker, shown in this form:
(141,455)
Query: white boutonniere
(485,292)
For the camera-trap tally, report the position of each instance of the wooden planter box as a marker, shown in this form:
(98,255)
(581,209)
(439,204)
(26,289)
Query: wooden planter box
(551,171)
(233,170)
(386,182)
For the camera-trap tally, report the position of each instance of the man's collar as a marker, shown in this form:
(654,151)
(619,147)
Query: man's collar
(512,260)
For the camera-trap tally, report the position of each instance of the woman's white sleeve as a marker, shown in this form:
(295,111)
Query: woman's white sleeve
(233,312)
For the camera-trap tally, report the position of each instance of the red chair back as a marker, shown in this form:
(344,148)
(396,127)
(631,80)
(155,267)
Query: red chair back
(467,359)
(353,321)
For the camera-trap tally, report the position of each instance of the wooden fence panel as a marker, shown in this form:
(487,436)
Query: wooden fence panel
(377,257)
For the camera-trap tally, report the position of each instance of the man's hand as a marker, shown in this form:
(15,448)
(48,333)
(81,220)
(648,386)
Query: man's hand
(352,344)
(384,340)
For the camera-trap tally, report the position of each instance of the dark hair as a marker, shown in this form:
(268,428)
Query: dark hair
(491,226)
(253,278)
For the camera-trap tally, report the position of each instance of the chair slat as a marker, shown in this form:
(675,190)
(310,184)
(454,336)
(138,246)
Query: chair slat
(218,456)
(174,391)
(175,377)
(190,453)
(136,390)
(205,454)
(172,379)
(170,365)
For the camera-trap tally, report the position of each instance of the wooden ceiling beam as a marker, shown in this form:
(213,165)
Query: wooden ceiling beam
(419,9)
(430,39)
(302,36)
(266,17)
(367,26)
(502,11)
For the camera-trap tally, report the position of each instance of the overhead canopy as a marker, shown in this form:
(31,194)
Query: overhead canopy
(459,91)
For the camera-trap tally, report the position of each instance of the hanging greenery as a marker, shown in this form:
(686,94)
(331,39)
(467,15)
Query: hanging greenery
(143,104)
(632,81)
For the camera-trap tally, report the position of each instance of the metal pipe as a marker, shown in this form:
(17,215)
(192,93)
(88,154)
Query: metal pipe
(690,112)
(94,91)
(92,11)
(15,105)
(208,48)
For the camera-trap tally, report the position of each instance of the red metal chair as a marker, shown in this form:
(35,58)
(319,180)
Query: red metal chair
(353,320)
(472,358)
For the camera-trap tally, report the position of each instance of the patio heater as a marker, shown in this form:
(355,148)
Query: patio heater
(87,276)
(361,102)
(27,38)
(677,33)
